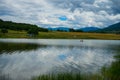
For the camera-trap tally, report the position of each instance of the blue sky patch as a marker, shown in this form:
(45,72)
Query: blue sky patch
(62,57)
(63,18)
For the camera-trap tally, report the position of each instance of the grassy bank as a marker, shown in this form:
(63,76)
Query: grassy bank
(112,72)
(107,73)
(60,35)
(68,76)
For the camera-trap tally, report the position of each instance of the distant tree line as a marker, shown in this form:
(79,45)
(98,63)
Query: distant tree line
(30,28)
(75,30)
(15,26)
(64,29)
(4,30)
(71,30)
(20,26)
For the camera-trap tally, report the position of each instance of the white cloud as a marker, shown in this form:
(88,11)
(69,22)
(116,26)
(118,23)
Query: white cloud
(80,13)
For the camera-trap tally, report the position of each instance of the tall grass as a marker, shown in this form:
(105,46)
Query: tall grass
(107,73)
(112,72)
(60,35)
(62,76)
(67,76)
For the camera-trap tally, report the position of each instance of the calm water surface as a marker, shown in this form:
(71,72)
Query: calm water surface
(21,59)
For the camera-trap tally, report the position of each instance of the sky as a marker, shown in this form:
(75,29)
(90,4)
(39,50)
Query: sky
(62,13)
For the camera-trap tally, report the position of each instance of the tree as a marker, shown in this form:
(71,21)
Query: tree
(75,30)
(33,31)
(42,29)
(4,30)
(79,30)
(72,30)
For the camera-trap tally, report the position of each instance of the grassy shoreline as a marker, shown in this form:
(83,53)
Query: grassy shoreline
(61,35)
(107,73)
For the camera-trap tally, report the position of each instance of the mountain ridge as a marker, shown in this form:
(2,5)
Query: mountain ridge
(114,28)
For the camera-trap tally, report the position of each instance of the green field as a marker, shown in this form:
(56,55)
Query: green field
(60,35)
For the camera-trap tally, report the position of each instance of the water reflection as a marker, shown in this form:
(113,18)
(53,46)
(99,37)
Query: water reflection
(7,47)
(29,59)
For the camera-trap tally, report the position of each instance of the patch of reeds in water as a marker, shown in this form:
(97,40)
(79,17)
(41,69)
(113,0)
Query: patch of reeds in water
(107,73)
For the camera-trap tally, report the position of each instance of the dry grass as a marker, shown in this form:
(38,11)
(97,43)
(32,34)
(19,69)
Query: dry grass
(78,35)
(61,35)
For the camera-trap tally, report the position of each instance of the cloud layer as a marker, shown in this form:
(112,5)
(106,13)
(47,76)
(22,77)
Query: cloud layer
(47,13)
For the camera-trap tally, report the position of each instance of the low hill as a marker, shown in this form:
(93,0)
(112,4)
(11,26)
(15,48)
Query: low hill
(87,29)
(64,29)
(59,29)
(115,28)
(18,26)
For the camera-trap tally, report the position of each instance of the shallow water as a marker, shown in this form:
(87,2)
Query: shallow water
(21,59)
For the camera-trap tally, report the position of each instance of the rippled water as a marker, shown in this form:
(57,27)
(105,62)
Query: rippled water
(21,59)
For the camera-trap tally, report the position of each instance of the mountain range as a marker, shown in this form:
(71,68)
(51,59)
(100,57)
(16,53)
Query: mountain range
(110,29)
(87,29)
(115,28)
(59,29)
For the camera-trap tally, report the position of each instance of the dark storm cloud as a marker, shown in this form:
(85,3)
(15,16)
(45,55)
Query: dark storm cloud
(70,4)
(110,6)
(116,6)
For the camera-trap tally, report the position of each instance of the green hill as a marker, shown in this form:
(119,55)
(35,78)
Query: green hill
(115,28)
(19,26)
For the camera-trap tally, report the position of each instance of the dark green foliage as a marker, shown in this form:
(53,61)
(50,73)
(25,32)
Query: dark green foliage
(1,20)
(107,73)
(72,30)
(68,76)
(12,47)
(33,31)
(112,72)
(78,30)
(117,32)
(43,29)
(62,76)
(4,30)
(0,34)
(18,26)
(115,28)
(114,69)
(75,30)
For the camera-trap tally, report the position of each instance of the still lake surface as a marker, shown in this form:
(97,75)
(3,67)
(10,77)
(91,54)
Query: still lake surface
(21,59)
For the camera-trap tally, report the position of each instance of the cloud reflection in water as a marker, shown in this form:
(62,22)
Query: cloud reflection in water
(55,59)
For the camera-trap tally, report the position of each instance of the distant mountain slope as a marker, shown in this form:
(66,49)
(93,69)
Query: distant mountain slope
(59,29)
(111,29)
(87,29)
(114,27)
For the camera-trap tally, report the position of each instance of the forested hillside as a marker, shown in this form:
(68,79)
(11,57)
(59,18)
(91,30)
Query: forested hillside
(115,28)
(19,26)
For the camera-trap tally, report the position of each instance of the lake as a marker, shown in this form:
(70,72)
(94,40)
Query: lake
(21,59)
